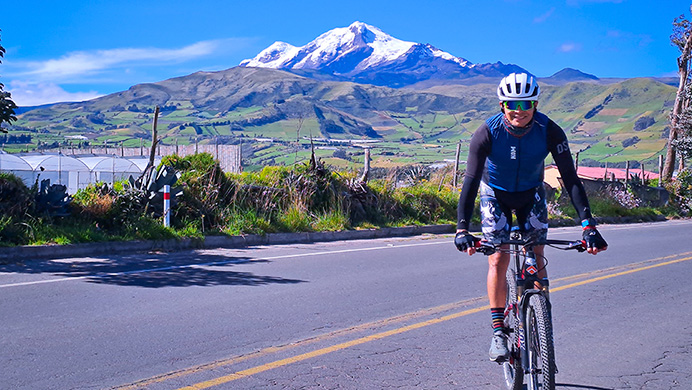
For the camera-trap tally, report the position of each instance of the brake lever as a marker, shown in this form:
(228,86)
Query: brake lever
(580,246)
(484,247)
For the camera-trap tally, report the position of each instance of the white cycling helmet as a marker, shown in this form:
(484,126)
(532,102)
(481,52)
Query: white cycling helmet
(518,86)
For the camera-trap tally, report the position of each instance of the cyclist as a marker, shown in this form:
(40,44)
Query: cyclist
(506,161)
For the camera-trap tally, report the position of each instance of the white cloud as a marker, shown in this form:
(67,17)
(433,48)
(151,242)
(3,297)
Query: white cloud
(569,47)
(35,94)
(544,17)
(79,64)
(41,82)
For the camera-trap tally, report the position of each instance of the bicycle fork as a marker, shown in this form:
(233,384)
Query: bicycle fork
(523,331)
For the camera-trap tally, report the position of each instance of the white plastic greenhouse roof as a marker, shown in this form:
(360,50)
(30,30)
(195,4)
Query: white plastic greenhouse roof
(12,162)
(142,162)
(73,163)
(75,171)
(110,163)
(54,162)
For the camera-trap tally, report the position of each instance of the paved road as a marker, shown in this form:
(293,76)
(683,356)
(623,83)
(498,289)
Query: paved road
(390,313)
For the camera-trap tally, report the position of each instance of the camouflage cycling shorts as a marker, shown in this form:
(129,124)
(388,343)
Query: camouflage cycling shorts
(529,206)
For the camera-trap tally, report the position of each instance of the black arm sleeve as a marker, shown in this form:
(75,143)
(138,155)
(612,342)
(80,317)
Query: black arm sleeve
(559,148)
(479,149)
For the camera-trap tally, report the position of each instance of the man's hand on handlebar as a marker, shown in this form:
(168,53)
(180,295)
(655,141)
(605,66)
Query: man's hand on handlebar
(593,240)
(465,242)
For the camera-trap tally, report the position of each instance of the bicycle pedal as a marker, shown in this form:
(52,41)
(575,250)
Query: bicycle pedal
(501,359)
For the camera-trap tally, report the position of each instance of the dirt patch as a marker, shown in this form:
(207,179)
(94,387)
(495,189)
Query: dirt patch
(613,111)
(592,128)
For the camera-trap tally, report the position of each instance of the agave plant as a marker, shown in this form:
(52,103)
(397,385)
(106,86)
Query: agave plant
(53,199)
(147,190)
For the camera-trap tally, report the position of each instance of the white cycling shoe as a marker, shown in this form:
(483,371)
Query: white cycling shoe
(498,347)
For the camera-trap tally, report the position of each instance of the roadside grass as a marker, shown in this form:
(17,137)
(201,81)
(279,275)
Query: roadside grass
(299,198)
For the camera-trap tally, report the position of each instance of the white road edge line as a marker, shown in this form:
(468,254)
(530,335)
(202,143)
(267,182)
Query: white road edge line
(215,263)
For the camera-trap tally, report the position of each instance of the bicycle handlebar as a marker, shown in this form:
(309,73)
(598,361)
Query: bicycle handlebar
(488,248)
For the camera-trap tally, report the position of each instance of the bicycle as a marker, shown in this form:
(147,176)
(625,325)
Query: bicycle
(528,313)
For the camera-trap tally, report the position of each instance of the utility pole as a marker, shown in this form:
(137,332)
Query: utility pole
(154,141)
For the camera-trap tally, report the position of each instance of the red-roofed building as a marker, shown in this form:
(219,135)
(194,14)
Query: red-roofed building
(596,173)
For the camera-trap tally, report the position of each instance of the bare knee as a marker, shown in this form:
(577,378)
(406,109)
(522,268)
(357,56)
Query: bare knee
(498,260)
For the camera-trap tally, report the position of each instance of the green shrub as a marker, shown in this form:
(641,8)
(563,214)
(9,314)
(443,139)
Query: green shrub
(15,197)
(681,193)
(12,232)
(96,202)
(146,228)
(295,219)
(44,230)
(331,221)
(206,189)
(426,204)
(304,197)
(248,221)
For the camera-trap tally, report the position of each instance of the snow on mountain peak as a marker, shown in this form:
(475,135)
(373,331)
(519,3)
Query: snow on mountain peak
(273,56)
(345,49)
(340,43)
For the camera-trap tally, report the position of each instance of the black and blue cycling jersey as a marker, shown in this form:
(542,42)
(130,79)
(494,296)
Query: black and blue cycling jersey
(515,164)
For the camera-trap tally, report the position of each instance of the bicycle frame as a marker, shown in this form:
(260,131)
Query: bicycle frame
(532,344)
(527,283)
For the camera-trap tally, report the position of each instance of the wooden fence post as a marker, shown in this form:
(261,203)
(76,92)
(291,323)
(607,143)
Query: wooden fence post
(366,168)
(641,167)
(576,162)
(456,165)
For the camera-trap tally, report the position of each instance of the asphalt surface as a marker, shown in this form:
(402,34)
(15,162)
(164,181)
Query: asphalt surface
(405,313)
(35,252)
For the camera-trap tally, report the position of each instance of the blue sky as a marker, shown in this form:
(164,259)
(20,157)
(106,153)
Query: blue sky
(75,50)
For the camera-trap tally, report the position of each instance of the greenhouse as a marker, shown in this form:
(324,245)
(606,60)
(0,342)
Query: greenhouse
(73,171)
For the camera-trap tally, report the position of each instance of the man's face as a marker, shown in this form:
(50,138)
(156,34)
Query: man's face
(519,117)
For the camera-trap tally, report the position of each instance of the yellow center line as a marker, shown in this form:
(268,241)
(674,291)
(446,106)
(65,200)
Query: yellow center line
(323,337)
(617,268)
(382,335)
(330,349)
(583,282)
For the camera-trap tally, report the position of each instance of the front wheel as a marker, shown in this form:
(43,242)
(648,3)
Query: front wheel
(540,345)
(514,373)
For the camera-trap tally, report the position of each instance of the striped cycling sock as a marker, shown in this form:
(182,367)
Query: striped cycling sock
(498,314)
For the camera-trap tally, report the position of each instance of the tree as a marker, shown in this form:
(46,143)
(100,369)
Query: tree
(7,106)
(682,38)
(683,128)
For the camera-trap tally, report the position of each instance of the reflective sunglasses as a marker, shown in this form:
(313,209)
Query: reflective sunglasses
(519,105)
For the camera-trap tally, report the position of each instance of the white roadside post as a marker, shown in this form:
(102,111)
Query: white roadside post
(166,205)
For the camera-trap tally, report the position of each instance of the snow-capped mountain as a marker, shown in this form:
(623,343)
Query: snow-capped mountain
(352,49)
(364,53)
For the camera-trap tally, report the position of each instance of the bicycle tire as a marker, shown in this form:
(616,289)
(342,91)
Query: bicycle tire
(511,282)
(512,369)
(540,345)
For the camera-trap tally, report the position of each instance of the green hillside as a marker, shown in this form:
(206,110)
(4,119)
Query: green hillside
(613,122)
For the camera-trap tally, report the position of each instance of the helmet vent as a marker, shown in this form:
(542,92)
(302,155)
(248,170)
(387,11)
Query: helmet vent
(518,86)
